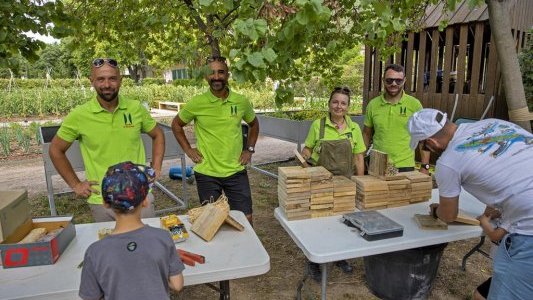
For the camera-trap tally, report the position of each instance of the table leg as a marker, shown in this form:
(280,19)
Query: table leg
(324,269)
(476,248)
(224,290)
(302,282)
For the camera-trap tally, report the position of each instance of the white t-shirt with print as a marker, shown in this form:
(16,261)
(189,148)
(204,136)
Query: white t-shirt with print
(492,160)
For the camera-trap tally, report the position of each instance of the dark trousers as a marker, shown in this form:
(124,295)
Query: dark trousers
(236,187)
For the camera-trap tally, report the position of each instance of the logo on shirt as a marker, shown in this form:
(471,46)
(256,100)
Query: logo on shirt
(233,110)
(499,136)
(131,246)
(128,122)
(403,111)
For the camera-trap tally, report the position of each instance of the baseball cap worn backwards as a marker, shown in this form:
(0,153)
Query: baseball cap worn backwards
(126,185)
(424,124)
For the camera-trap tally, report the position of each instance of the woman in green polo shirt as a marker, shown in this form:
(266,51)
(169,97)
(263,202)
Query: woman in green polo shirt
(336,143)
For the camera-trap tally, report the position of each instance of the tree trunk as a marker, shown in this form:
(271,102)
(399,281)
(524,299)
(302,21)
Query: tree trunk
(505,46)
(213,41)
(133,73)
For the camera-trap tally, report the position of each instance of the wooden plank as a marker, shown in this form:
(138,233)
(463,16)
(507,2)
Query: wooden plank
(416,176)
(408,86)
(464,218)
(209,221)
(294,172)
(318,172)
(368,75)
(461,13)
(421,67)
(376,79)
(234,223)
(430,223)
(476,108)
(448,52)
(398,55)
(300,158)
(378,163)
(461,62)
(492,65)
(434,60)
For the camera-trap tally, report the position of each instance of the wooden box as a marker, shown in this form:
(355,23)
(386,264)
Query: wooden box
(44,252)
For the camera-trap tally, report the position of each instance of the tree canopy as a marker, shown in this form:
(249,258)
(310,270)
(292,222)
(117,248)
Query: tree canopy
(21,16)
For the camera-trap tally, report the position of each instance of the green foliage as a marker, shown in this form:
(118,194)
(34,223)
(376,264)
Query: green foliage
(188,82)
(299,115)
(157,81)
(5,140)
(24,16)
(40,83)
(39,101)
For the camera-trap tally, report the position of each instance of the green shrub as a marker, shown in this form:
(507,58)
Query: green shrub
(5,140)
(157,81)
(41,83)
(188,82)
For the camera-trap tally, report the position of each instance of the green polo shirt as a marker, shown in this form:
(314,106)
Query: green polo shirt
(351,132)
(107,138)
(389,122)
(217,125)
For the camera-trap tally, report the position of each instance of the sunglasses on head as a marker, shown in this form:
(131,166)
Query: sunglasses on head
(97,63)
(390,81)
(342,90)
(211,59)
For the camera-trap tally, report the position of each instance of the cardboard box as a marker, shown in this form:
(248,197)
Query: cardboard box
(39,253)
(14,211)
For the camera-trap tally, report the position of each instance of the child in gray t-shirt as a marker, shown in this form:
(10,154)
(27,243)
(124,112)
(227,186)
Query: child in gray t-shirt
(135,261)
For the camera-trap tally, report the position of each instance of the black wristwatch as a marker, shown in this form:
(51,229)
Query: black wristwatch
(425,166)
(251,149)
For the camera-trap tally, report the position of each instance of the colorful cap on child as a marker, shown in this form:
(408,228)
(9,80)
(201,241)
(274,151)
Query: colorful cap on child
(126,185)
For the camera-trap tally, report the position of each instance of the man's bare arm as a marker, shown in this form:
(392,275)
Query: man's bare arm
(448,208)
(58,150)
(179,134)
(158,149)
(253,133)
(368,132)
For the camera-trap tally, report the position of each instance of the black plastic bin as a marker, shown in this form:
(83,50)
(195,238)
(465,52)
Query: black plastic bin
(406,274)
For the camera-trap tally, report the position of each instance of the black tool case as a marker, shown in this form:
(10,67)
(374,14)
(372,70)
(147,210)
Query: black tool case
(373,225)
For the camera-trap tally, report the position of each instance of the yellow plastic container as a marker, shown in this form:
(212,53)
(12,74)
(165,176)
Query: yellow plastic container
(176,228)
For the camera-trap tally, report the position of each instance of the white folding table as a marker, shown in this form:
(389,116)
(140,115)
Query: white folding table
(230,255)
(327,239)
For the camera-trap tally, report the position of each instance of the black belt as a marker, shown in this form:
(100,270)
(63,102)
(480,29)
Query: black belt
(406,169)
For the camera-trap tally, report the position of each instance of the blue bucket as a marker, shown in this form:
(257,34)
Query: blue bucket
(175,172)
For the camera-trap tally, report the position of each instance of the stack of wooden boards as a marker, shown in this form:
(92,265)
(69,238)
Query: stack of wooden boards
(405,188)
(314,192)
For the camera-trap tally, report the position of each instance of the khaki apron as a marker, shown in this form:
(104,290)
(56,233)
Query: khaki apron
(336,155)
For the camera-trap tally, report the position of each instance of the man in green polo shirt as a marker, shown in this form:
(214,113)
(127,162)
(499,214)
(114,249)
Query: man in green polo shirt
(108,129)
(219,154)
(386,121)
